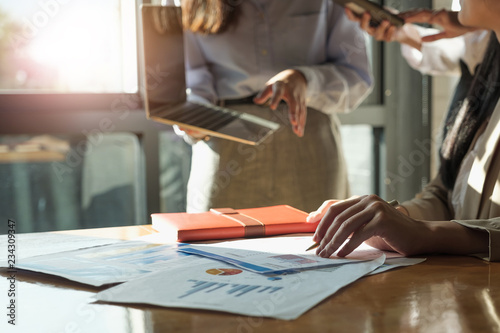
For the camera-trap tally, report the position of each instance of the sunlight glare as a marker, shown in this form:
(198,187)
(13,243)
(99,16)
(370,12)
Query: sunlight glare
(77,45)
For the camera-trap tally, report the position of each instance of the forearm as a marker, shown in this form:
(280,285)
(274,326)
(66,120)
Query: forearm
(431,204)
(448,237)
(436,58)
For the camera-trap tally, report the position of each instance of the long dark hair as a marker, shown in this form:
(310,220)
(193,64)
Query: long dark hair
(464,121)
(210,16)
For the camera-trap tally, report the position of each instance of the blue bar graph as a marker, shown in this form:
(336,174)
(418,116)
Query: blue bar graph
(237,287)
(198,286)
(247,289)
(233,289)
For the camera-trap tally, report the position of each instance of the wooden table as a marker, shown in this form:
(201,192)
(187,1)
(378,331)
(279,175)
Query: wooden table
(443,294)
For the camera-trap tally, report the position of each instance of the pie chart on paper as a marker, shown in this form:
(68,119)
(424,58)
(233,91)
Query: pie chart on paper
(224,271)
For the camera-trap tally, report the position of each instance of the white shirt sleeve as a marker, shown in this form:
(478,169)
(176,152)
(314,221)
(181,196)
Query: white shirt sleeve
(435,58)
(343,83)
(442,56)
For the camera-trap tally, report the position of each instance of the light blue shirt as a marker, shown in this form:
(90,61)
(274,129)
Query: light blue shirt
(313,36)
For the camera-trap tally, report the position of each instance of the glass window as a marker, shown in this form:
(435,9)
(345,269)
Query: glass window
(63,46)
(70,64)
(58,182)
(358,147)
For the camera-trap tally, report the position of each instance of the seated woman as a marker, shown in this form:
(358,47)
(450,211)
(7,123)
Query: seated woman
(459,211)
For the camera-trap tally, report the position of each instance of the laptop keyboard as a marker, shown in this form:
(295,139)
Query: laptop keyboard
(200,115)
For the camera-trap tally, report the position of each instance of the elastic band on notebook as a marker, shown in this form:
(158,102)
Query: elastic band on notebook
(253,227)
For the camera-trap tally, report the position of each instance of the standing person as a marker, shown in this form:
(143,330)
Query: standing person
(459,211)
(456,50)
(246,54)
(426,49)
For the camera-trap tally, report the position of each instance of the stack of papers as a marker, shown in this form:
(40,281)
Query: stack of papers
(277,255)
(107,264)
(266,277)
(214,285)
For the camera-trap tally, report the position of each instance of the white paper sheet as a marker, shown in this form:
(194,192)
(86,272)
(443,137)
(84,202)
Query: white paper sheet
(125,260)
(105,264)
(391,263)
(35,244)
(276,255)
(213,285)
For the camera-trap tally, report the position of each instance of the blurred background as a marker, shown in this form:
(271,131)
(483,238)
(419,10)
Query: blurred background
(76,149)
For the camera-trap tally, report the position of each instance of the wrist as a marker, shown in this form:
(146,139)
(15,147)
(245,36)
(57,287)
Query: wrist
(297,74)
(449,237)
(409,35)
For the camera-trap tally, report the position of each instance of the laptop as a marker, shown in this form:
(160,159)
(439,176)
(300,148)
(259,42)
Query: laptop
(164,91)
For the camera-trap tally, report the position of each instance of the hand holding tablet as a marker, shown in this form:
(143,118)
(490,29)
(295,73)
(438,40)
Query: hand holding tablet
(377,12)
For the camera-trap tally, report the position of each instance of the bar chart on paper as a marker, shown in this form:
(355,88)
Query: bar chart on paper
(215,289)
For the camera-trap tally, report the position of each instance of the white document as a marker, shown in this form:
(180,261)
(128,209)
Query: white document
(391,263)
(277,255)
(35,244)
(212,285)
(105,264)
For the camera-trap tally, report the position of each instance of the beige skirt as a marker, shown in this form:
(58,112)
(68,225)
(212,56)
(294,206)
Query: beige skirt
(283,169)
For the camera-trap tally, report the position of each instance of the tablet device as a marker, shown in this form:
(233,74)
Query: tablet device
(377,12)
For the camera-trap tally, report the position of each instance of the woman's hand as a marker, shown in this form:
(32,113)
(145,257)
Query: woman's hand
(447,20)
(193,134)
(385,31)
(367,219)
(290,86)
(318,214)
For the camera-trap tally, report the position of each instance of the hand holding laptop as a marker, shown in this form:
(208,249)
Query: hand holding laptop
(290,86)
(193,135)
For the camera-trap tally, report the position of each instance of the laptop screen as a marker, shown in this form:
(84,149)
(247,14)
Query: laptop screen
(165,84)
(165,81)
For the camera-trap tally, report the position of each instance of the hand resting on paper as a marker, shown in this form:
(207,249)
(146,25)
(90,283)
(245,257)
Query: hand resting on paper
(372,220)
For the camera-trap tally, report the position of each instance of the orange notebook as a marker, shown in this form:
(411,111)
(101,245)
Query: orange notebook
(229,223)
